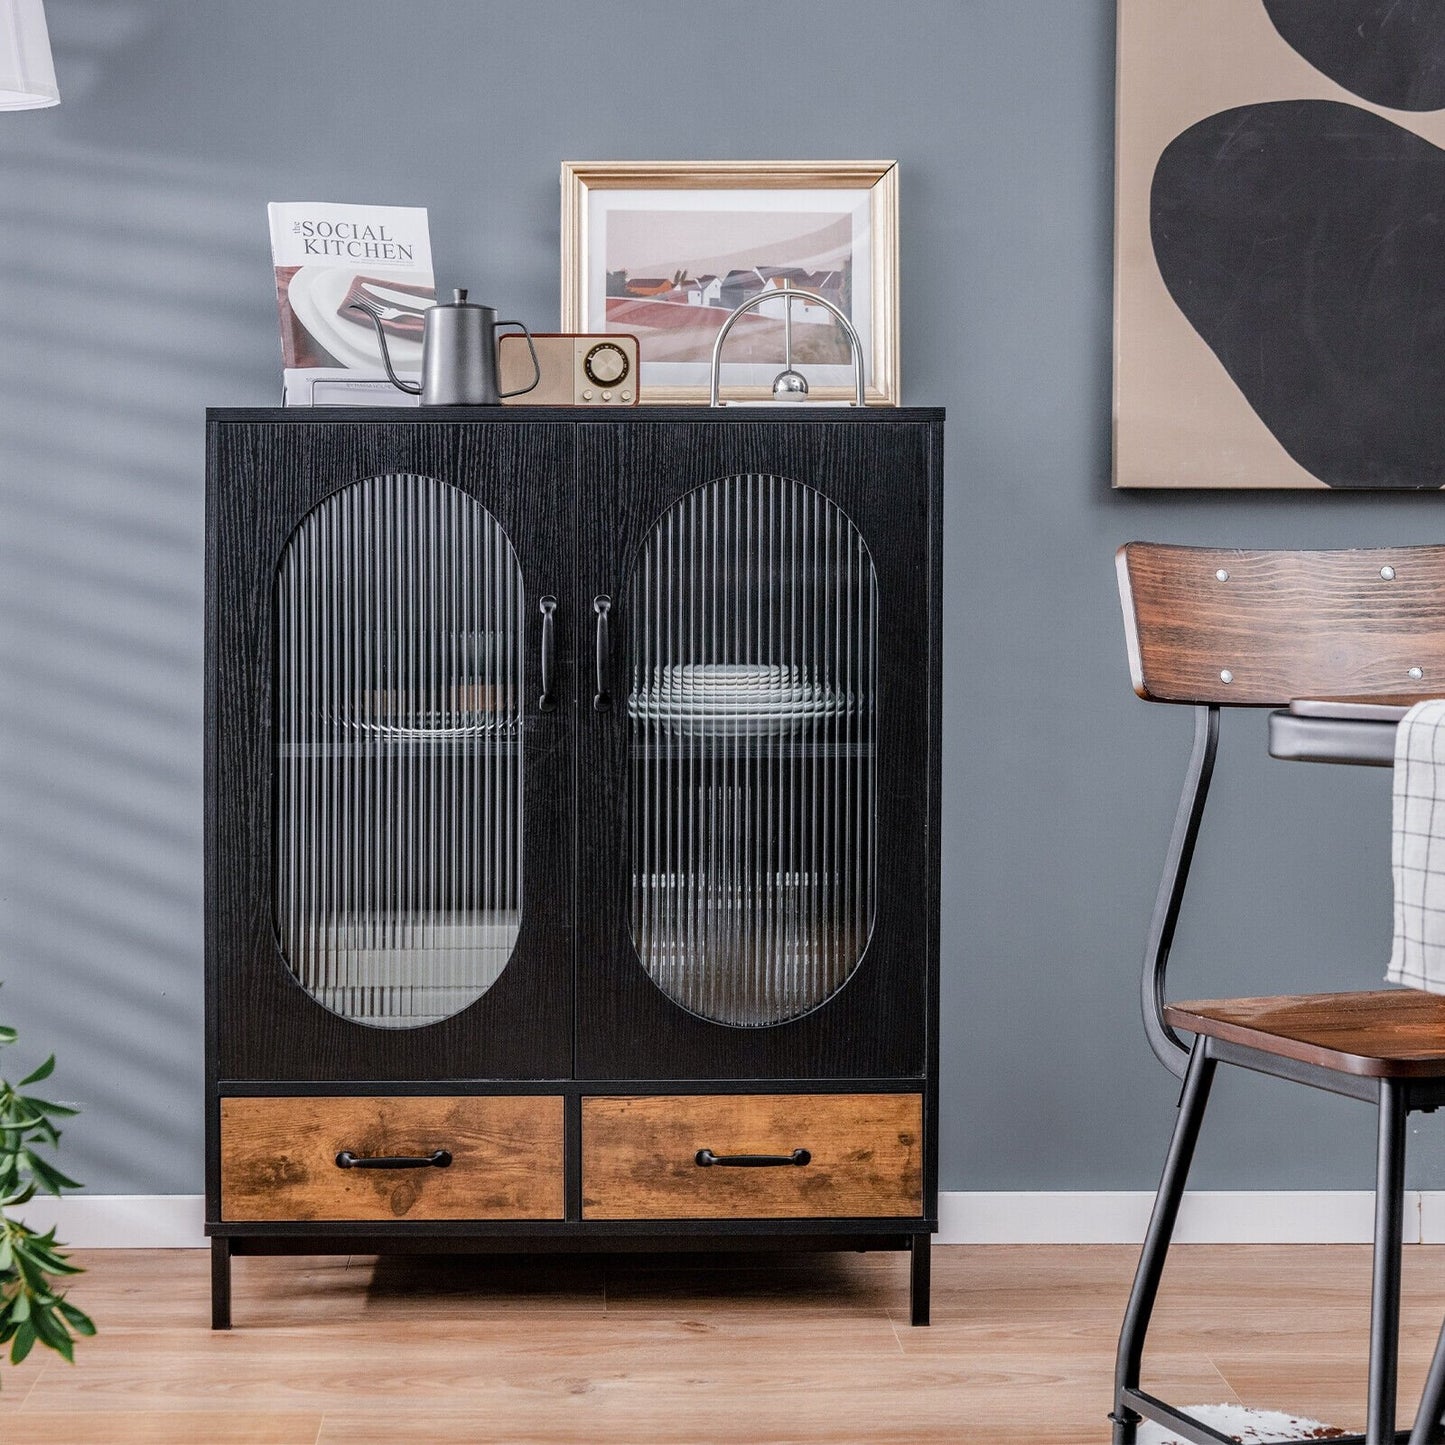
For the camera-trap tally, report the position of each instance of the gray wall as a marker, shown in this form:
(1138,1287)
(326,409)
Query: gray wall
(137,290)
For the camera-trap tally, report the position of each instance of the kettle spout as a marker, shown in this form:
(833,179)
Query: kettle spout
(413,388)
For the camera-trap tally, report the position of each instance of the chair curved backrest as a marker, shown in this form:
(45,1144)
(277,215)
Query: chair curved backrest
(1240,628)
(1228,628)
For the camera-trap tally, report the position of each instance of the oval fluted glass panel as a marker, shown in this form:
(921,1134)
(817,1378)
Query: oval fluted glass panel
(751,617)
(398,839)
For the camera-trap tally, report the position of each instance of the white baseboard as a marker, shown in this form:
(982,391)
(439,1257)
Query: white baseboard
(1205,1217)
(122,1221)
(176,1221)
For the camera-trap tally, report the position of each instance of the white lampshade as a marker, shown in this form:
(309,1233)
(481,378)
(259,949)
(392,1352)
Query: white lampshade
(27,73)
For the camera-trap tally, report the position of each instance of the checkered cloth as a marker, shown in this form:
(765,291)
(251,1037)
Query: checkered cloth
(1418,849)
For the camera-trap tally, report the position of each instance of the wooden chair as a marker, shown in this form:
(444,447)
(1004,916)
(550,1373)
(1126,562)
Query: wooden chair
(1216,629)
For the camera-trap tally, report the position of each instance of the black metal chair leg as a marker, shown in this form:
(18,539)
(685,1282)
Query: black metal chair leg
(220,1284)
(1385,1291)
(918,1278)
(1427,1429)
(1192,1101)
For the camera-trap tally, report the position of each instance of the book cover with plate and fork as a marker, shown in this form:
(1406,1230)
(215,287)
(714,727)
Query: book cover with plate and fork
(328,256)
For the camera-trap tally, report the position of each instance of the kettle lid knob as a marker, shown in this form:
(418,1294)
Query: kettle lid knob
(459,296)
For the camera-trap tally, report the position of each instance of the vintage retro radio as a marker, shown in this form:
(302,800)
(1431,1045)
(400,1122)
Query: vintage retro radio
(577,370)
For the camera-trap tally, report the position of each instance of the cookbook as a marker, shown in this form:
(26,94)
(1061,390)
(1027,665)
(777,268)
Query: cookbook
(328,257)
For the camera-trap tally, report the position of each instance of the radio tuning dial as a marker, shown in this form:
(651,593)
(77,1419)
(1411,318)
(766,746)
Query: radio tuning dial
(606,364)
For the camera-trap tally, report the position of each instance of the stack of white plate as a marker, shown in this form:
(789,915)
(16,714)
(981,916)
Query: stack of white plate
(733,699)
(435,725)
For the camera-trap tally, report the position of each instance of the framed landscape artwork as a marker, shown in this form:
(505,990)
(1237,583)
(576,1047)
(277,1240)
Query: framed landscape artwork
(1280,244)
(666,250)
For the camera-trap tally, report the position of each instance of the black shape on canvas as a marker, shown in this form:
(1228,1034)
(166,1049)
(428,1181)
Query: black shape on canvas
(1389,52)
(1305,242)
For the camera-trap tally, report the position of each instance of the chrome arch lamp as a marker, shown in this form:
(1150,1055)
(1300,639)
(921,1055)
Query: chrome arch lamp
(788,386)
(27,73)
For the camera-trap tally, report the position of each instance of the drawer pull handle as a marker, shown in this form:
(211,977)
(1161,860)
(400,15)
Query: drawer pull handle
(705,1159)
(440,1158)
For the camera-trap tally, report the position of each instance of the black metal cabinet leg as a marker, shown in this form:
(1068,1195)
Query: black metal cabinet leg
(1385,1290)
(919,1278)
(220,1284)
(1427,1429)
(1192,1101)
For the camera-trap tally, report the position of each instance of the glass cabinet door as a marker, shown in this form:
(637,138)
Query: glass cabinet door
(398,780)
(751,613)
(754,886)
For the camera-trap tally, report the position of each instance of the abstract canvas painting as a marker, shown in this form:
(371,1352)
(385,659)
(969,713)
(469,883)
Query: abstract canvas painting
(1280,244)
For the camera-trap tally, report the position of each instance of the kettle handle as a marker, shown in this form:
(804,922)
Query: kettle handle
(536,366)
(411,387)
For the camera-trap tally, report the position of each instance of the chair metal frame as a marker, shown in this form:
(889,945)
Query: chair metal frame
(1429,1429)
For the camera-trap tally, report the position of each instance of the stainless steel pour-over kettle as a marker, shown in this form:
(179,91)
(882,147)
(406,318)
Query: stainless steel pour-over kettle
(458,354)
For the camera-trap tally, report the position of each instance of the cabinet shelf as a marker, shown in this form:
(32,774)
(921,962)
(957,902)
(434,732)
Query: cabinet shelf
(722,748)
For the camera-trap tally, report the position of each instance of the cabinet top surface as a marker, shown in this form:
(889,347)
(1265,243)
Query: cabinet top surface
(519,415)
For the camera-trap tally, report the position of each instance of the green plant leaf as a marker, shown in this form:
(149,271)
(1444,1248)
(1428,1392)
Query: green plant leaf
(53,1262)
(7,1034)
(43,1072)
(80,1322)
(52,1332)
(17,1119)
(44,1243)
(23,1343)
(46,1106)
(31,1275)
(46,1175)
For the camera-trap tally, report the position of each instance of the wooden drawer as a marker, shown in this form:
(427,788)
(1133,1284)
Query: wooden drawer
(640,1156)
(278,1158)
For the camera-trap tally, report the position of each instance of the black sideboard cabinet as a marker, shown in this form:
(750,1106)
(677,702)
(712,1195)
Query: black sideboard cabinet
(572,830)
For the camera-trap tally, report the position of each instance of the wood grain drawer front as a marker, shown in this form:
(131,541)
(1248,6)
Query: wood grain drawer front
(278,1158)
(865,1156)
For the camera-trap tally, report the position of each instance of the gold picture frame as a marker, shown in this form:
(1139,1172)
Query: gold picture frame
(833,221)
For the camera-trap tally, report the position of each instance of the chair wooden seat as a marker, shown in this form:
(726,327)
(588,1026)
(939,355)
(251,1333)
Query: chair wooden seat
(1379,1034)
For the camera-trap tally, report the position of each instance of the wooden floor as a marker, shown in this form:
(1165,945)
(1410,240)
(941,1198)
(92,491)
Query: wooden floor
(699,1349)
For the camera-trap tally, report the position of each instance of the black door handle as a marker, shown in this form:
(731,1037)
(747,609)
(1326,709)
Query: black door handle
(602,699)
(548,604)
(705,1159)
(440,1158)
